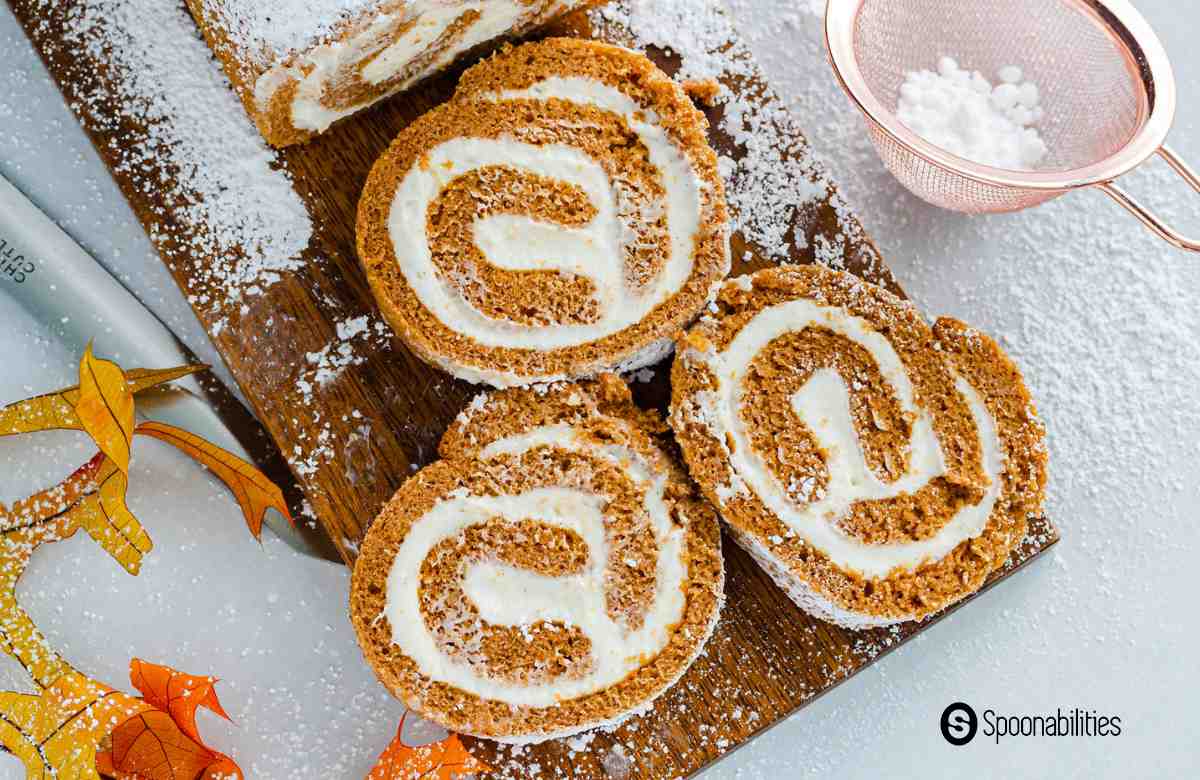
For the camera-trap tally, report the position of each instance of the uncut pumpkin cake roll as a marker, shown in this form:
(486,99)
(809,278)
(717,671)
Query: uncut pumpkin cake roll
(301,65)
(555,571)
(876,468)
(562,216)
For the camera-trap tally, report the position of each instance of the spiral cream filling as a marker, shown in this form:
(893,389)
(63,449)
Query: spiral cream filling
(509,596)
(823,405)
(324,66)
(593,251)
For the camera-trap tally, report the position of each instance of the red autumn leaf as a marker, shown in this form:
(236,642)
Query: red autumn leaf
(443,760)
(176,693)
(151,746)
(163,743)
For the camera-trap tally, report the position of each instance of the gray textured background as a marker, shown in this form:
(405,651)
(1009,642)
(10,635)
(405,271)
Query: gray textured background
(1101,315)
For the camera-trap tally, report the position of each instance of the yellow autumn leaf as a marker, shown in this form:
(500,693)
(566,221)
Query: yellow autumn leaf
(57,410)
(107,519)
(53,501)
(44,517)
(254,492)
(40,413)
(56,734)
(105,407)
(140,379)
(19,637)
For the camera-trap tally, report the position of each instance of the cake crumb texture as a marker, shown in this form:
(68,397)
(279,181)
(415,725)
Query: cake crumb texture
(301,65)
(796,460)
(587,302)
(600,416)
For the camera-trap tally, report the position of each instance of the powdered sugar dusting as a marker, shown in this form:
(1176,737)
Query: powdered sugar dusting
(316,446)
(960,111)
(236,205)
(338,355)
(777,183)
(268,30)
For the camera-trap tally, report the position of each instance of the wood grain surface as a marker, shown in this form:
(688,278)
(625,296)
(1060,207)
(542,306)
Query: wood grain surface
(381,418)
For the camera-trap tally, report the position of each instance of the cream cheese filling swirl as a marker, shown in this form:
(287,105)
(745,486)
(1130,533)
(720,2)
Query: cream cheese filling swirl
(388,53)
(823,406)
(537,605)
(829,427)
(595,250)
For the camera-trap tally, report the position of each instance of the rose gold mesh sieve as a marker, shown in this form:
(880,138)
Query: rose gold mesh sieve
(1106,88)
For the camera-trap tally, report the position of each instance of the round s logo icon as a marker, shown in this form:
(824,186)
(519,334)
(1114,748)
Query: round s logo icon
(959,723)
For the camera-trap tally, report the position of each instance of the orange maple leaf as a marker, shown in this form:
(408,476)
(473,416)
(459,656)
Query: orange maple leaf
(151,746)
(443,760)
(176,693)
(163,743)
(254,492)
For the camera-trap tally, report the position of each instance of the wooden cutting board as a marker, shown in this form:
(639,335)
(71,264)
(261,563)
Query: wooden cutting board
(383,415)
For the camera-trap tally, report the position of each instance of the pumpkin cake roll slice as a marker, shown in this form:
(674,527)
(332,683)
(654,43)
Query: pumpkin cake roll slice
(878,469)
(562,216)
(301,65)
(556,571)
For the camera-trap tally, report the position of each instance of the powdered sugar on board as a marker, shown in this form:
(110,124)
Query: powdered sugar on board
(776,186)
(180,126)
(340,354)
(356,338)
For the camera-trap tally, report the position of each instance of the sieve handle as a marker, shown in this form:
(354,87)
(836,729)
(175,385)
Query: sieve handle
(1149,218)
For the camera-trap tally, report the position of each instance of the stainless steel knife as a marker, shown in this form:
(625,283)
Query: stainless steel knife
(62,286)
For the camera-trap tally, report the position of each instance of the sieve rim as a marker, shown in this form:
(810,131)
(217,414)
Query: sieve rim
(1130,32)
